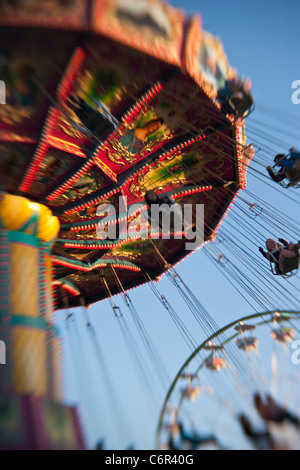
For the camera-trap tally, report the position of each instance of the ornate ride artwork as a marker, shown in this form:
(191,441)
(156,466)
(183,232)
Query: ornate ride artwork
(168,135)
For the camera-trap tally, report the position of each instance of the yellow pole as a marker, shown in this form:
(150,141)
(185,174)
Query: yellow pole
(27,233)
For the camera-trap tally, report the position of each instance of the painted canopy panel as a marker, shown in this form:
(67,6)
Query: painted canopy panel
(156,74)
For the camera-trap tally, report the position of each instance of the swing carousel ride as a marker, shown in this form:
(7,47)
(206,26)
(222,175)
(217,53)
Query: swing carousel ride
(168,134)
(106,101)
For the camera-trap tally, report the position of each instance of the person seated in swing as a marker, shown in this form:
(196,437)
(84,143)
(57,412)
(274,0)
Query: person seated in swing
(194,440)
(262,440)
(100,123)
(269,410)
(235,97)
(289,167)
(153,199)
(278,253)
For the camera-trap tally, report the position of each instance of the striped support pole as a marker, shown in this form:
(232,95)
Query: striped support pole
(29,380)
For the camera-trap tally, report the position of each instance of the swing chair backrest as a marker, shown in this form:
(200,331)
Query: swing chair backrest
(245,107)
(293,175)
(290,266)
(241,109)
(294,178)
(99,123)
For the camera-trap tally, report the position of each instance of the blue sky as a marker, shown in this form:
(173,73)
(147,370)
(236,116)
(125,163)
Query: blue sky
(261,40)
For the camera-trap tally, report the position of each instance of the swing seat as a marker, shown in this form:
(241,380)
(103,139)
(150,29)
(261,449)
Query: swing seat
(290,264)
(274,176)
(97,123)
(100,123)
(242,108)
(290,267)
(293,176)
